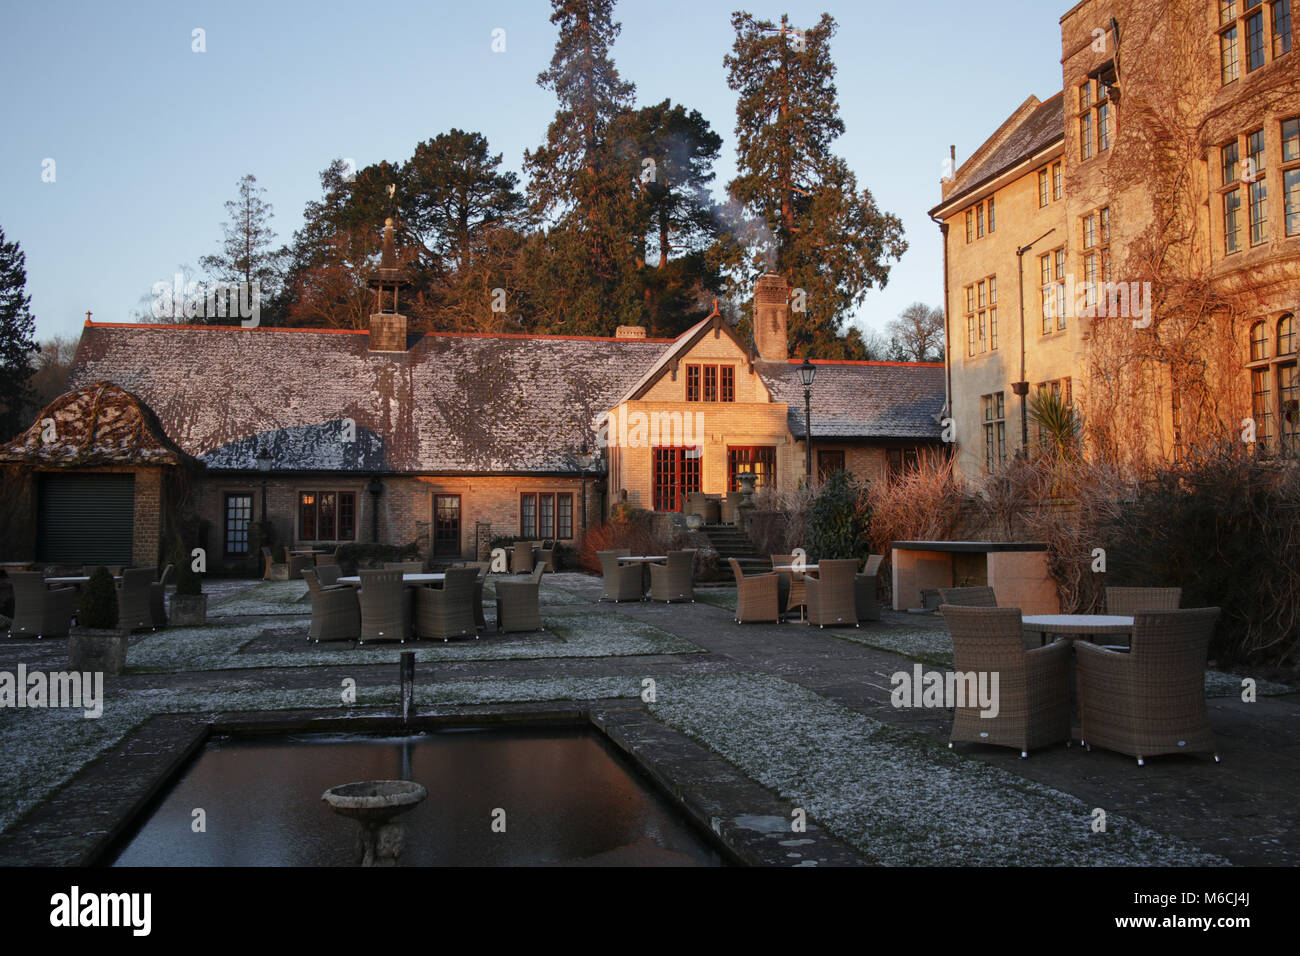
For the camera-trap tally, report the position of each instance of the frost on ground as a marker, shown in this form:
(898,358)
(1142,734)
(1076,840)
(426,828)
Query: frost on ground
(724,598)
(900,798)
(220,646)
(44,748)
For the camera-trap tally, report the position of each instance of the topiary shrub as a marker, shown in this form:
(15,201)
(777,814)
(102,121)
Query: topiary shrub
(839,520)
(98,605)
(188,580)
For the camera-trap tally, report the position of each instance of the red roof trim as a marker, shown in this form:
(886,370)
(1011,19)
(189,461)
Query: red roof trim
(454,335)
(799,361)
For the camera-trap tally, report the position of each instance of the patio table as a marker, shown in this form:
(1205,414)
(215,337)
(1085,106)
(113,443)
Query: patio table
(785,576)
(76,579)
(410,580)
(1072,624)
(645,560)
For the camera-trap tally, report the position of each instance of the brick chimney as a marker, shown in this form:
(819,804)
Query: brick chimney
(387,325)
(771,307)
(630,332)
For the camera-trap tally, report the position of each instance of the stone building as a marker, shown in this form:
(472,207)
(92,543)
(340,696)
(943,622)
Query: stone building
(1048,229)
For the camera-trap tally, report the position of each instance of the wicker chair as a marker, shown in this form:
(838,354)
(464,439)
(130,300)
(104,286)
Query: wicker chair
(133,611)
(546,555)
(519,604)
(1150,700)
(157,595)
(448,611)
(757,596)
(269,560)
(298,563)
(40,612)
(482,567)
(866,589)
(674,581)
(521,558)
(832,595)
(324,560)
(623,582)
(798,595)
(1033,694)
(406,567)
(968,597)
(385,606)
(335,610)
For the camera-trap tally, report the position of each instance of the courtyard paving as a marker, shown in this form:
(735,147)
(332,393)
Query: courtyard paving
(803,713)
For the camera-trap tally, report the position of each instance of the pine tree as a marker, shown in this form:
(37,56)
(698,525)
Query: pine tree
(247,251)
(577,183)
(17,339)
(824,234)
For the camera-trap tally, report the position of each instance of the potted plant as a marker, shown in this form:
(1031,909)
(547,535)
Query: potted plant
(97,643)
(189,603)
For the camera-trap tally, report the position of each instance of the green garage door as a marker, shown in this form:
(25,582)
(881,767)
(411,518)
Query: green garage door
(85,519)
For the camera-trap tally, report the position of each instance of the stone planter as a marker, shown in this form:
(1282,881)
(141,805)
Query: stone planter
(695,522)
(188,610)
(95,649)
(279,572)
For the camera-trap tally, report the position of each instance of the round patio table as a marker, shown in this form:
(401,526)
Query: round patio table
(1076,624)
(410,580)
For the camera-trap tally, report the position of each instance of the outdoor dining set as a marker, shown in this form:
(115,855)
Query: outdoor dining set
(1138,672)
(46,606)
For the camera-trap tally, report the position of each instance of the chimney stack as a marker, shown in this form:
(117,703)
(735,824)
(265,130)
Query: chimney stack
(630,332)
(771,309)
(387,325)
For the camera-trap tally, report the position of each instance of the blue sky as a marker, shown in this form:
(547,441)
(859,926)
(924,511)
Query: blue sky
(150,138)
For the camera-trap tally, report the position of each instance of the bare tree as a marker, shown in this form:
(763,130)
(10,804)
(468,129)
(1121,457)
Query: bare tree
(50,380)
(917,334)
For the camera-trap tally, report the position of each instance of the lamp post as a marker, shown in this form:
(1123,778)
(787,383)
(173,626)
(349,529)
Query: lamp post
(376,488)
(263,459)
(807,372)
(584,462)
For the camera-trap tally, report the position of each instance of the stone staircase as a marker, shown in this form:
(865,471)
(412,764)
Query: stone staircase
(731,542)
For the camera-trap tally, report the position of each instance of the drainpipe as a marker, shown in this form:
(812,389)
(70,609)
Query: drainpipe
(1021,387)
(947,334)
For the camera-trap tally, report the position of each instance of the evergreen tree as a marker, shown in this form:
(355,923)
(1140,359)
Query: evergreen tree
(17,339)
(247,251)
(578,183)
(824,234)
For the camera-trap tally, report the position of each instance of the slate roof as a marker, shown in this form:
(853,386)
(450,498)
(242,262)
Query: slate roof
(861,400)
(1035,132)
(453,403)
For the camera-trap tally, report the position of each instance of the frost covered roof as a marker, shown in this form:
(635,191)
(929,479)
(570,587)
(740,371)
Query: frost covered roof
(452,403)
(872,400)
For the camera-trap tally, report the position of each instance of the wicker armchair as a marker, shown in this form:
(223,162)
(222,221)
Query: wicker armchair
(323,560)
(798,595)
(482,567)
(832,595)
(866,589)
(335,610)
(298,563)
(519,604)
(968,597)
(385,607)
(1150,700)
(133,611)
(623,582)
(269,560)
(757,596)
(39,612)
(674,581)
(157,595)
(546,555)
(1033,693)
(328,574)
(521,558)
(448,611)
(406,567)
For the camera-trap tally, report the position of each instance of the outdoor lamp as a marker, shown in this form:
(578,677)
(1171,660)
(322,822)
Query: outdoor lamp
(263,459)
(807,371)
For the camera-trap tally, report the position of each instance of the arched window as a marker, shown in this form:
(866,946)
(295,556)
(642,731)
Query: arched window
(1286,334)
(1258,342)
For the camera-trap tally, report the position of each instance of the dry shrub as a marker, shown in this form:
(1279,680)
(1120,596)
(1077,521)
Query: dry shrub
(924,504)
(644,532)
(779,522)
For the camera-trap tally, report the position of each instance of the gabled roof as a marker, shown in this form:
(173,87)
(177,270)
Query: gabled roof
(680,347)
(1033,127)
(862,400)
(96,424)
(452,404)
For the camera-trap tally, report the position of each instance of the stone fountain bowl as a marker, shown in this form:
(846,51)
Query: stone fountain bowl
(374,801)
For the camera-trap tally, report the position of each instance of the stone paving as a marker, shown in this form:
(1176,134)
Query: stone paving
(1244,809)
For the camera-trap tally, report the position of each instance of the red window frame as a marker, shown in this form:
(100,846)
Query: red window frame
(692,383)
(710,383)
(751,455)
(676,473)
(551,517)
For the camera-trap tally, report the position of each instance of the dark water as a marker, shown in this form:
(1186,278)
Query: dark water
(568,798)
